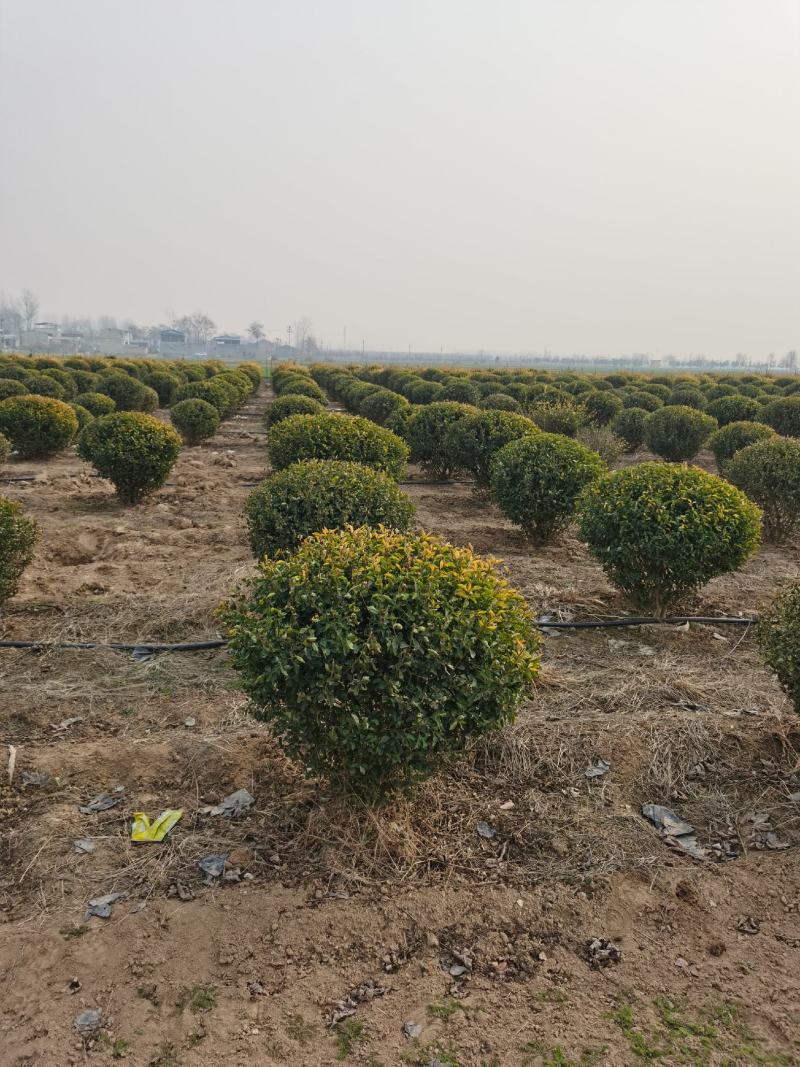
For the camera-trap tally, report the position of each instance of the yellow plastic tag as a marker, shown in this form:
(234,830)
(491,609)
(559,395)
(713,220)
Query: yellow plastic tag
(143,830)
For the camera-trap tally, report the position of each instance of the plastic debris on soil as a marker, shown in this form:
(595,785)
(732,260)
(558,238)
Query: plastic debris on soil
(485,830)
(675,830)
(83,845)
(101,907)
(232,806)
(143,830)
(89,1022)
(212,866)
(103,802)
(597,769)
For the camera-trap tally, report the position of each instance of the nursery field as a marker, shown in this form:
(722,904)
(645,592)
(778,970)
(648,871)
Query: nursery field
(515,908)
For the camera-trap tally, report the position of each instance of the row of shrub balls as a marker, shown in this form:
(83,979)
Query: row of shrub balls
(375,649)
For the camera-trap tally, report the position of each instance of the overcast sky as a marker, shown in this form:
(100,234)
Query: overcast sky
(516,175)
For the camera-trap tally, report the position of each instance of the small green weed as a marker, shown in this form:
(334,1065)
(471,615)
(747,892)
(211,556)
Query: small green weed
(552,996)
(118,1047)
(443,1009)
(149,993)
(556,1057)
(166,1056)
(349,1035)
(419,1055)
(299,1030)
(197,998)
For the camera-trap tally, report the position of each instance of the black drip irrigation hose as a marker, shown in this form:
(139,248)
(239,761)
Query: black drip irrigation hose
(144,649)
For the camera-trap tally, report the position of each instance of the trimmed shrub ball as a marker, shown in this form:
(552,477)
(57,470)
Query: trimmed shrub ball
(784,416)
(500,402)
(778,636)
(5,449)
(727,409)
(96,403)
(769,472)
(427,433)
(134,451)
(129,394)
(661,531)
(194,419)
(537,481)
(676,433)
(12,387)
(380,405)
(322,494)
(601,407)
(17,537)
(462,390)
(374,653)
(291,404)
(166,386)
(558,416)
(728,440)
(473,441)
(37,426)
(629,425)
(83,416)
(336,437)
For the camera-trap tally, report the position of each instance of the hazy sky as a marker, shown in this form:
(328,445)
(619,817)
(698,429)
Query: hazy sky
(577,175)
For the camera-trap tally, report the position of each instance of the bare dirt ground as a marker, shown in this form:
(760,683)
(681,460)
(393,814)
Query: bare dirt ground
(406,914)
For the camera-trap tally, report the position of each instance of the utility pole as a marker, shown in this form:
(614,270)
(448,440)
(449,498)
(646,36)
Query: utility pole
(289,331)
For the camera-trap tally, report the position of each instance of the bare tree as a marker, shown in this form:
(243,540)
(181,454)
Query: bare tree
(30,308)
(10,316)
(301,329)
(256,331)
(197,327)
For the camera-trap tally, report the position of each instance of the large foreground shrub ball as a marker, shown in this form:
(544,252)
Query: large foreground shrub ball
(661,531)
(17,538)
(537,481)
(769,472)
(37,426)
(375,653)
(291,404)
(784,416)
(355,439)
(427,432)
(676,433)
(194,419)
(778,636)
(322,494)
(134,451)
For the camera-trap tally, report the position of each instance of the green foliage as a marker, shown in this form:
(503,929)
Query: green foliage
(42,385)
(728,440)
(537,481)
(472,442)
(37,426)
(500,402)
(422,392)
(687,396)
(398,421)
(220,394)
(165,384)
(558,416)
(134,451)
(769,472)
(5,449)
(676,433)
(291,404)
(629,425)
(322,495)
(661,531)
(11,387)
(382,404)
(602,407)
(83,416)
(300,385)
(328,436)
(641,398)
(194,419)
(427,432)
(129,394)
(374,653)
(728,409)
(96,403)
(784,416)
(17,538)
(461,390)
(253,372)
(778,636)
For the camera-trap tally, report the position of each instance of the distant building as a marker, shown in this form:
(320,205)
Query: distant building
(170,336)
(227,340)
